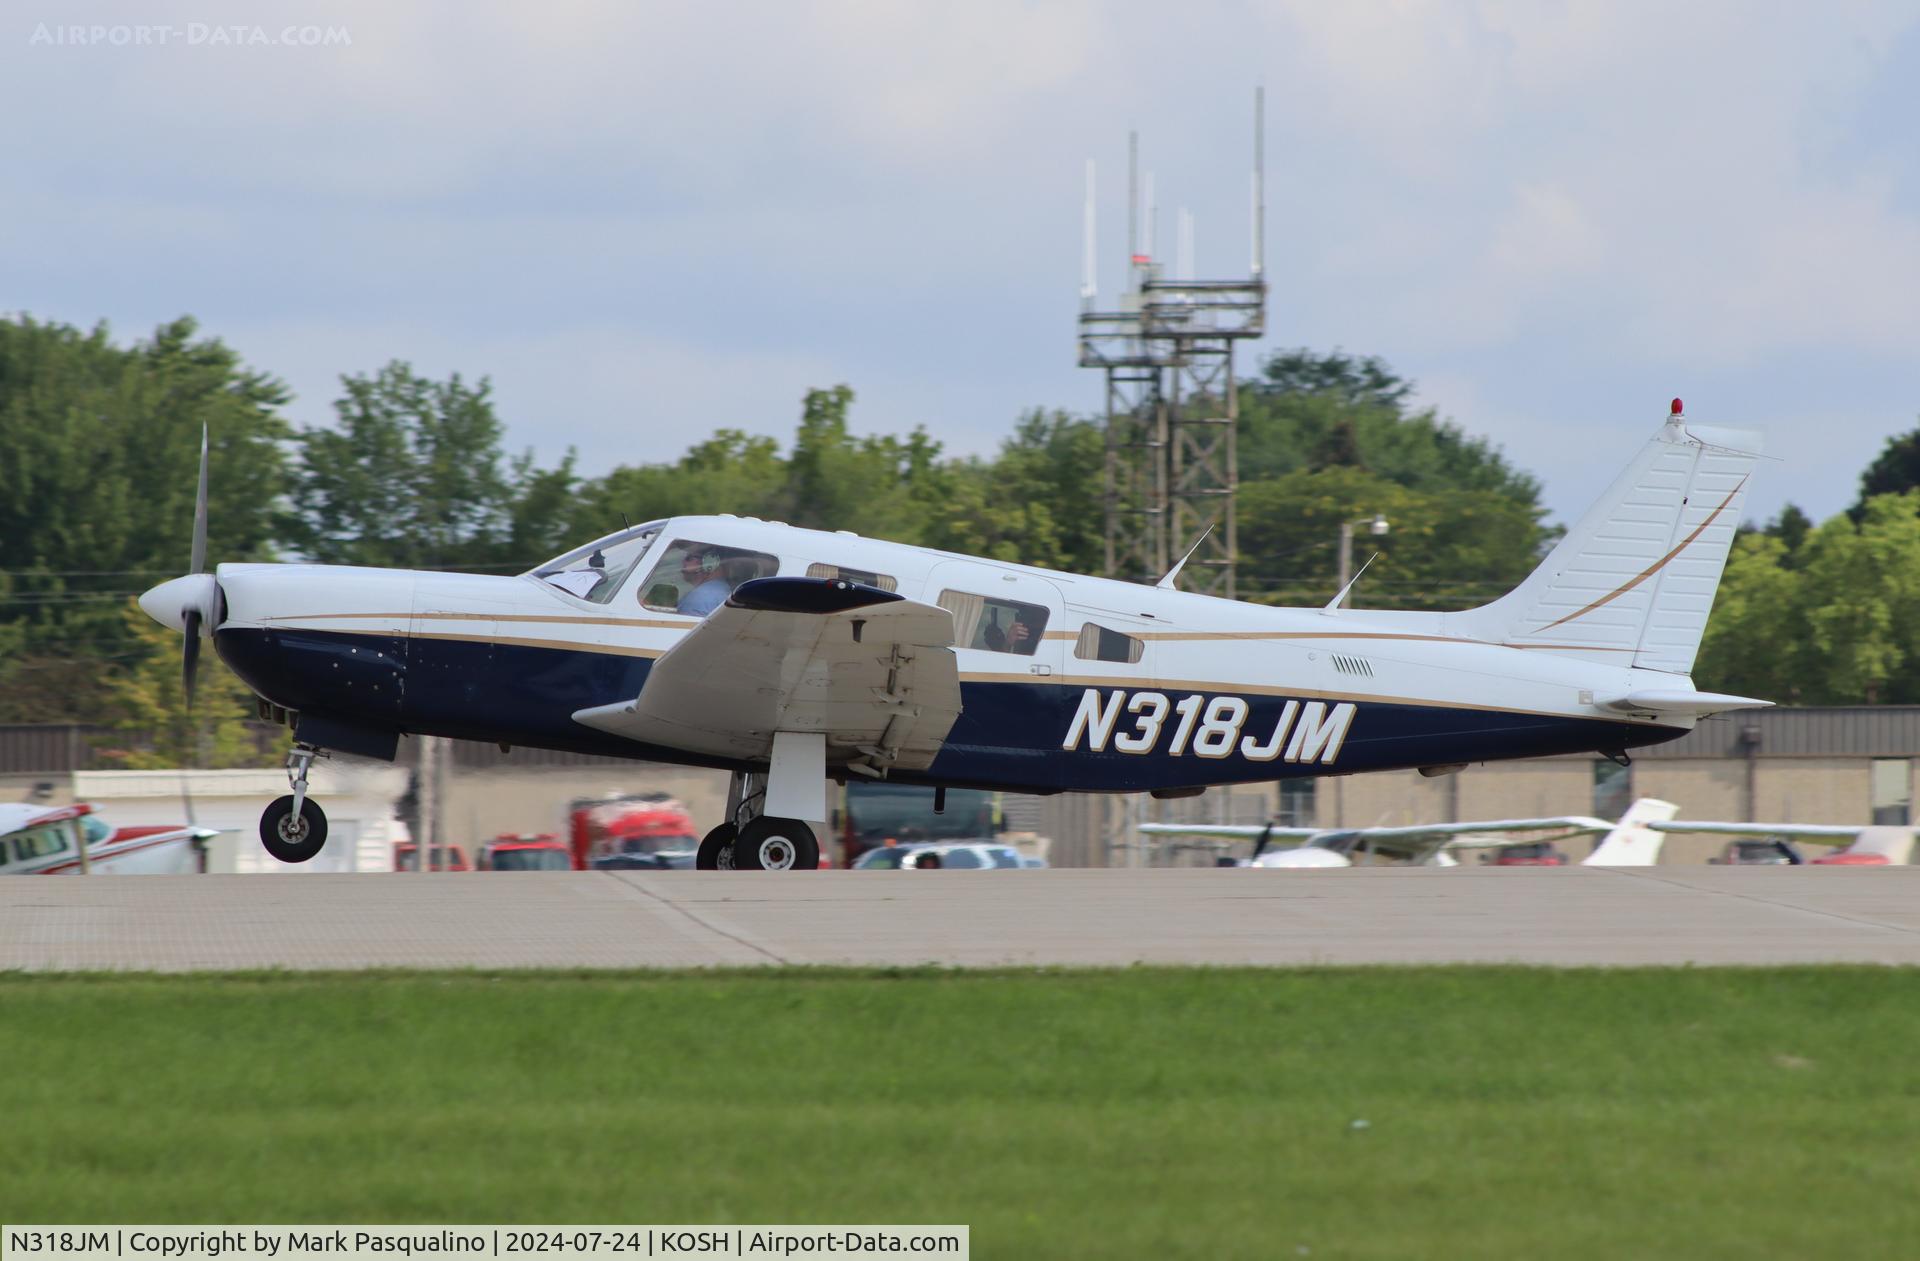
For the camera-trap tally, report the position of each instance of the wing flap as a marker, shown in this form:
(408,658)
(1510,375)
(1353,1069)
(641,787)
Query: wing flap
(872,671)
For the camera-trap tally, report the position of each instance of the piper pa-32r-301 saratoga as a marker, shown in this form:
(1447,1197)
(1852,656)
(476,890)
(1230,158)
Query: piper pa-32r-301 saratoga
(790,657)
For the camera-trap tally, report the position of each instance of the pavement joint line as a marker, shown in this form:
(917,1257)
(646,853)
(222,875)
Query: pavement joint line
(738,937)
(1643,873)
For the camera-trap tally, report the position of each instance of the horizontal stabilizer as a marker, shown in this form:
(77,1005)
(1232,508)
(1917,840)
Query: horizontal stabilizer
(1674,700)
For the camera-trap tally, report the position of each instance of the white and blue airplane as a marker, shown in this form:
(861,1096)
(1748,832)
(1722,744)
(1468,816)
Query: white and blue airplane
(790,657)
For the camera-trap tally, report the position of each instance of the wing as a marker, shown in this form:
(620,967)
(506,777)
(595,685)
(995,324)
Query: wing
(874,671)
(1467,833)
(1230,831)
(1816,833)
(1574,823)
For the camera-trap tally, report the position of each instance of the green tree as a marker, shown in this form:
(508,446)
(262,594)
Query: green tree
(879,484)
(1756,642)
(1326,438)
(412,476)
(147,707)
(732,472)
(1894,471)
(1039,501)
(1835,621)
(97,492)
(1442,550)
(1311,410)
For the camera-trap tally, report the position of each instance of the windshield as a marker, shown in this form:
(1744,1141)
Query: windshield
(531,860)
(905,813)
(595,572)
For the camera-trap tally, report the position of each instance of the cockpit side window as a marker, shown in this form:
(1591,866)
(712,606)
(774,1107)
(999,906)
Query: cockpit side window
(696,578)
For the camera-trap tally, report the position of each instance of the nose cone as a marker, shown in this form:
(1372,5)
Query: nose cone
(169,603)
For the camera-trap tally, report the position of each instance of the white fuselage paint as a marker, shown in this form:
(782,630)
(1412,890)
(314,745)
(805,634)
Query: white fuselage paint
(1195,643)
(1195,646)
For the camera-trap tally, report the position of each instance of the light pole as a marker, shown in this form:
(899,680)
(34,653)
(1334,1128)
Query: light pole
(1376,526)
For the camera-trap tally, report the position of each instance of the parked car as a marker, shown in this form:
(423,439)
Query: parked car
(443,858)
(643,860)
(1528,854)
(1759,851)
(961,856)
(526,853)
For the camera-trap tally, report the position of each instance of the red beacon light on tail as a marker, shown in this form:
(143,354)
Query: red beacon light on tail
(1676,409)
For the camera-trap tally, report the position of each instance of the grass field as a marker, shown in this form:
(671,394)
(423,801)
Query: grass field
(1471,1112)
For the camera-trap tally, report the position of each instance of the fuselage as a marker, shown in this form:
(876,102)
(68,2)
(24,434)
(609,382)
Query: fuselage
(1110,686)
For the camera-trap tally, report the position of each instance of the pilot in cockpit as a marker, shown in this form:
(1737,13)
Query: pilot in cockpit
(701,577)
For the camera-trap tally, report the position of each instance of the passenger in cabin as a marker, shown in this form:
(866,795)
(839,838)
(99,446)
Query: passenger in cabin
(1013,635)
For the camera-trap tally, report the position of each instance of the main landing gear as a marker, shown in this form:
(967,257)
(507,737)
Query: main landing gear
(752,841)
(293,828)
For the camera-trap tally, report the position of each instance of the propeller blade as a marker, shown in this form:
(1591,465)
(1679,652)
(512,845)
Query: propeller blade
(190,658)
(199,565)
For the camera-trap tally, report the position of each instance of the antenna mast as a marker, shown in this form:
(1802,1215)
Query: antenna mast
(1089,272)
(1166,349)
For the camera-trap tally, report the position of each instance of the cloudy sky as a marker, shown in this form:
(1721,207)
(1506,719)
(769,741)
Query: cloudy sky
(645,221)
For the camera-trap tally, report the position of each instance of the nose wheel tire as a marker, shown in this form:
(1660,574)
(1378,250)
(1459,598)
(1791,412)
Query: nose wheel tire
(716,850)
(291,838)
(768,844)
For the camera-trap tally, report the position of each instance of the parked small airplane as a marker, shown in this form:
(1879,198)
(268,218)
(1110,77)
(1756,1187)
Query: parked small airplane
(790,656)
(1631,842)
(43,840)
(1868,845)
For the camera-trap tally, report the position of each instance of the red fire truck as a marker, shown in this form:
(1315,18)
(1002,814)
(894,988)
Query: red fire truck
(633,824)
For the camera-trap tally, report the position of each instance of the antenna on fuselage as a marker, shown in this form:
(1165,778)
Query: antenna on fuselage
(1333,605)
(1166,579)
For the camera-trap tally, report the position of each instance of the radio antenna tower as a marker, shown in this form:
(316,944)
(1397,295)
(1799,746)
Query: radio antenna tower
(1166,351)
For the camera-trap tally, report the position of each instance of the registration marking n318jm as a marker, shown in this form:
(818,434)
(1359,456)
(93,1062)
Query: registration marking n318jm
(1206,728)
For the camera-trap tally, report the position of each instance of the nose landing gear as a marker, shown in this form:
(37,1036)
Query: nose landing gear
(293,828)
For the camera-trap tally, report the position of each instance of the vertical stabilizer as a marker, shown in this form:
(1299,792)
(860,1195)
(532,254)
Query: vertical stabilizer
(1633,582)
(1632,843)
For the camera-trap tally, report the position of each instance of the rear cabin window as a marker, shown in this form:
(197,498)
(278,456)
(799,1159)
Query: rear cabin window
(1097,643)
(994,625)
(696,578)
(865,577)
(41,842)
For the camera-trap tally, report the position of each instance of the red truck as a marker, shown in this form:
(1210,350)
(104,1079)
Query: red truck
(631,824)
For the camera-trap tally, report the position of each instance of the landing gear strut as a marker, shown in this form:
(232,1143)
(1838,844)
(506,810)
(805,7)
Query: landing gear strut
(293,828)
(752,841)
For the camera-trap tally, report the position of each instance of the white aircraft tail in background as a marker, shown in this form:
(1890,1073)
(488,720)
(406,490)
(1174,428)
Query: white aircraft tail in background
(1630,842)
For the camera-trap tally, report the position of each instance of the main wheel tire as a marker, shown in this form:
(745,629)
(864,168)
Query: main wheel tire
(716,850)
(290,839)
(768,844)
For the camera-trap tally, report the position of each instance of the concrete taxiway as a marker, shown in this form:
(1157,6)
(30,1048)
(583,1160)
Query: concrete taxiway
(1570,917)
